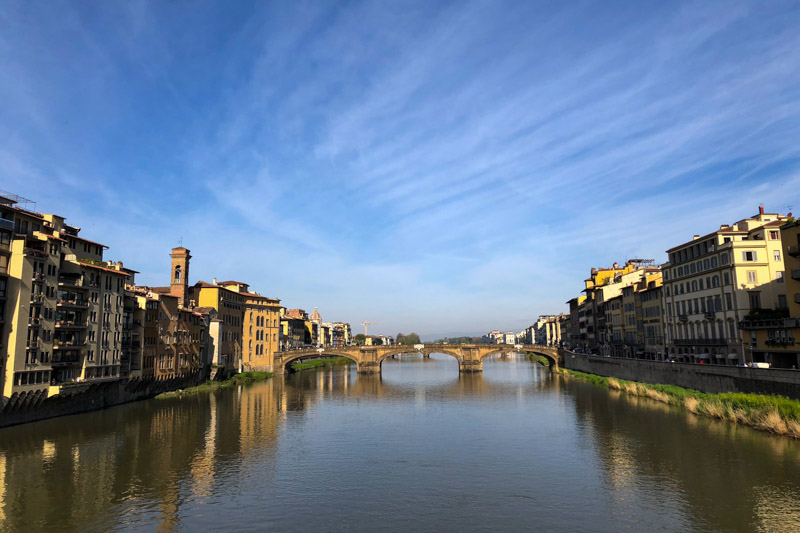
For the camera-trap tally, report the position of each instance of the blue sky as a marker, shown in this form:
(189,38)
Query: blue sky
(446,168)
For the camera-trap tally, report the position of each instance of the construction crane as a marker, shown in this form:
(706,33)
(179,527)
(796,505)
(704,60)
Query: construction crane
(365,324)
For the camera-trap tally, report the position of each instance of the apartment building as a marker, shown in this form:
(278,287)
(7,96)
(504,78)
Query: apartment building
(261,328)
(773,335)
(64,303)
(340,333)
(714,282)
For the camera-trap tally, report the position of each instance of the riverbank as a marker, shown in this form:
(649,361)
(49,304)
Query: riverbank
(245,378)
(322,362)
(542,360)
(775,414)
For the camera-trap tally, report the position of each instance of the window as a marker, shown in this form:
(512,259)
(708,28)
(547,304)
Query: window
(779,276)
(774,235)
(755,299)
(728,301)
(715,281)
(726,278)
(749,256)
(781,300)
(724,258)
(752,276)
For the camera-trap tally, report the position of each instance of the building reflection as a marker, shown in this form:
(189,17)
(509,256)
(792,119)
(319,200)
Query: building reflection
(638,441)
(132,465)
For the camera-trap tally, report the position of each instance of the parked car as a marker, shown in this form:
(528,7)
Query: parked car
(761,365)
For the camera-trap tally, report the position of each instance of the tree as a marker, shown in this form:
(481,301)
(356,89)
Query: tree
(360,339)
(407,340)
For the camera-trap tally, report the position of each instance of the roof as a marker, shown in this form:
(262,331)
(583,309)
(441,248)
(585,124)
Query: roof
(110,270)
(231,282)
(87,240)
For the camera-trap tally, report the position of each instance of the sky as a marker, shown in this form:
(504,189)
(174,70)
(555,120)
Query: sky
(446,168)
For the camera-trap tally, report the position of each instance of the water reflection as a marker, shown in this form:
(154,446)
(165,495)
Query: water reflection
(418,447)
(654,455)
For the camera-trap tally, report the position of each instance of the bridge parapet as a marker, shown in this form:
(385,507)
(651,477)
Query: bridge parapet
(368,359)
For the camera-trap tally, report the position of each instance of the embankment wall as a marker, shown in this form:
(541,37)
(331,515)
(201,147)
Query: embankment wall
(706,378)
(23,408)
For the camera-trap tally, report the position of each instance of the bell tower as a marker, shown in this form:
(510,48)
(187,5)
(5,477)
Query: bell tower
(179,280)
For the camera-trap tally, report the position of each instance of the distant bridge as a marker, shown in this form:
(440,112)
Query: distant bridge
(470,357)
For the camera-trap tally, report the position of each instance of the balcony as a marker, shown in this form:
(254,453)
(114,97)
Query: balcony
(72,302)
(683,318)
(73,283)
(35,322)
(70,324)
(68,344)
(6,224)
(700,342)
(38,277)
(780,342)
(65,359)
(710,315)
(37,299)
(33,345)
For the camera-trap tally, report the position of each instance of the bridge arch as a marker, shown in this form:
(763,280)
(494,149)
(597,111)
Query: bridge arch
(487,355)
(287,360)
(553,360)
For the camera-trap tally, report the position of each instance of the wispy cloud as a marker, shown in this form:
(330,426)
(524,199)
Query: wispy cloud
(433,166)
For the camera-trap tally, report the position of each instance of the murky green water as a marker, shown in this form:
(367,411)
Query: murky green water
(418,449)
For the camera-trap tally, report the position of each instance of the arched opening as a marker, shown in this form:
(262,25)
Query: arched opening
(420,370)
(311,356)
(178,274)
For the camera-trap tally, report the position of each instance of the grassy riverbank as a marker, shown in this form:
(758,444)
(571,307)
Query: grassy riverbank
(775,414)
(322,362)
(244,378)
(542,360)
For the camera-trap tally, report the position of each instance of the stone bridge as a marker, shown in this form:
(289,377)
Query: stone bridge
(470,357)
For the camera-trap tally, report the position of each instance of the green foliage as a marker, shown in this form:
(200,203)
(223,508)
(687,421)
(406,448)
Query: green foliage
(768,314)
(776,414)
(245,378)
(407,340)
(458,340)
(542,360)
(323,362)
(360,339)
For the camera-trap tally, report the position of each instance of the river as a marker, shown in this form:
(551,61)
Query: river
(419,448)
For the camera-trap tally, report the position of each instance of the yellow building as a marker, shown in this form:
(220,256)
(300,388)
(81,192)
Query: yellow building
(649,318)
(229,306)
(715,281)
(64,305)
(261,328)
(773,335)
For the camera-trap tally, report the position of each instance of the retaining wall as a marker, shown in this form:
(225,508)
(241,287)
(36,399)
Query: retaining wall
(706,378)
(29,407)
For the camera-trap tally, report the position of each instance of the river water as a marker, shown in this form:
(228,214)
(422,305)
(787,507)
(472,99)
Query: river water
(420,448)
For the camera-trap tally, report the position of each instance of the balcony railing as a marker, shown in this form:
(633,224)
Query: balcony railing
(72,302)
(66,344)
(710,315)
(38,277)
(35,321)
(6,224)
(683,318)
(65,359)
(37,298)
(70,324)
(700,342)
(33,345)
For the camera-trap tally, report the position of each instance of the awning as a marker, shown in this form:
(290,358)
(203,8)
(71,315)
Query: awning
(719,355)
(733,356)
(702,356)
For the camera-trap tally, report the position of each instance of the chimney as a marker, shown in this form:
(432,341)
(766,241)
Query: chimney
(760,209)
(214,281)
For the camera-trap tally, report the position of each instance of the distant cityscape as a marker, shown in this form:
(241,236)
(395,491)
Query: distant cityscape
(70,317)
(726,297)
